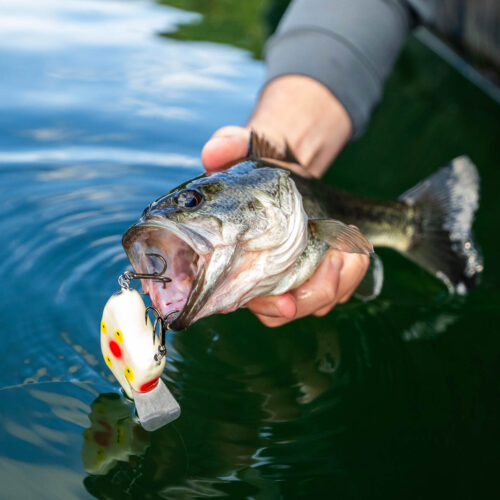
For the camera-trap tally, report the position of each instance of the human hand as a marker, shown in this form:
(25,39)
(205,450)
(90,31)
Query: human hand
(312,141)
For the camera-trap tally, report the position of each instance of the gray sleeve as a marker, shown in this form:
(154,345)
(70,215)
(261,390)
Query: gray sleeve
(348,45)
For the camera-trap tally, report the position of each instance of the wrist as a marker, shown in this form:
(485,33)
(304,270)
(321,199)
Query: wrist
(307,116)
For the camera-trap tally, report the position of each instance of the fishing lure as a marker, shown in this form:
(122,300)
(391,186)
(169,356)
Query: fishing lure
(134,353)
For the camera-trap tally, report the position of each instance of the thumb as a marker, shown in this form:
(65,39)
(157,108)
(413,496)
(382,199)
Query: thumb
(226,146)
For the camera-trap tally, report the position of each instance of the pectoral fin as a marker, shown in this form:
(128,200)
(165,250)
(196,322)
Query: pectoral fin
(340,236)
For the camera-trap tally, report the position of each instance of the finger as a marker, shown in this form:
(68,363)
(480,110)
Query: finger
(353,271)
(226,146)
(317,296)
(325,310)
(275,306)
(321,290)
(272,322)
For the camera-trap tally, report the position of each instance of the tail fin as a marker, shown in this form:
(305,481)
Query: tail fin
(445,204)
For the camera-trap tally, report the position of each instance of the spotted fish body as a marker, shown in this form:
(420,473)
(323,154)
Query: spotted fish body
(259,229)
(128,343)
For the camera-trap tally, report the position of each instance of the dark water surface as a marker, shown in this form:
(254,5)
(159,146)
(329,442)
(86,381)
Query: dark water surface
(99,114)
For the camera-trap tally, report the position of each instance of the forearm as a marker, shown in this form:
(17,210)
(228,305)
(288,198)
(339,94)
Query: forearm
(307,115)
(347,45)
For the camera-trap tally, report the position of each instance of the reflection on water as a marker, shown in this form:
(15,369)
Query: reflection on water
(100,115)
(113,436)
(357,406)
(40,436)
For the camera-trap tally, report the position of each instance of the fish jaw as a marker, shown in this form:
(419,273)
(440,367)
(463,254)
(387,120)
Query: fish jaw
(194,266)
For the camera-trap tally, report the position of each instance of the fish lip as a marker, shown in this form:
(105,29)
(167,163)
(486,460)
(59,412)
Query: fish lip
(198,243)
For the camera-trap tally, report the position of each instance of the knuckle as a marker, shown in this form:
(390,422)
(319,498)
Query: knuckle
(322,312)
(345,298)
(330,293)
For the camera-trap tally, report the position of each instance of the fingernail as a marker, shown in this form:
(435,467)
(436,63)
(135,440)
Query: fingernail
(272,310)
(287,306)
(219,138)
(234,132)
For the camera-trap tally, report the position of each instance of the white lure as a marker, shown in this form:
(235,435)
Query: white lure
(129,345)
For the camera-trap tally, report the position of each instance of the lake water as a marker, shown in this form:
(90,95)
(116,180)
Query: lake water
(100,113)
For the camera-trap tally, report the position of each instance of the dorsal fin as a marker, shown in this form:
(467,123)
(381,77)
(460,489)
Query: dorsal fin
(260,147)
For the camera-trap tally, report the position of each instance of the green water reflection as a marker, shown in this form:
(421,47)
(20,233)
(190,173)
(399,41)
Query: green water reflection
(242,24)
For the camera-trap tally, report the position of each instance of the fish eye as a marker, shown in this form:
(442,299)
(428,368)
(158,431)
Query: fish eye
(188,198)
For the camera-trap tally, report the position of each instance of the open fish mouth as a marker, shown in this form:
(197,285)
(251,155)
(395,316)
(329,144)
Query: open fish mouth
(186,254)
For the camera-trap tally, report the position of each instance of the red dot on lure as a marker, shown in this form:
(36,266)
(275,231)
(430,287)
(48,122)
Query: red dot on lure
(102,438)
(148,386)
(115,349)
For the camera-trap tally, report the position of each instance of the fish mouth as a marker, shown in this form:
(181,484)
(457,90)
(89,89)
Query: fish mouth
(186,254)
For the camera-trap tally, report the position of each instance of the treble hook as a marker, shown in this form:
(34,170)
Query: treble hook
(125,278)
(162,350)
(157,318)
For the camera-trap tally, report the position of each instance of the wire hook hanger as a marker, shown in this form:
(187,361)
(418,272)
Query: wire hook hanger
(125,278)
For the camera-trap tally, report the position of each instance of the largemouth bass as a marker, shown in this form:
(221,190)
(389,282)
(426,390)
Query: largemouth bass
(260,229)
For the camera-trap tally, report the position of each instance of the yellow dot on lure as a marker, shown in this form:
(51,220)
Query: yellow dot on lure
(104,328)
(119,335)
(100,454)
(129,374)
(108,361)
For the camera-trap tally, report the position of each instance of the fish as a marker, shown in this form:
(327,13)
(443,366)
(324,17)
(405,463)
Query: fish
(129,346)
(259,228)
